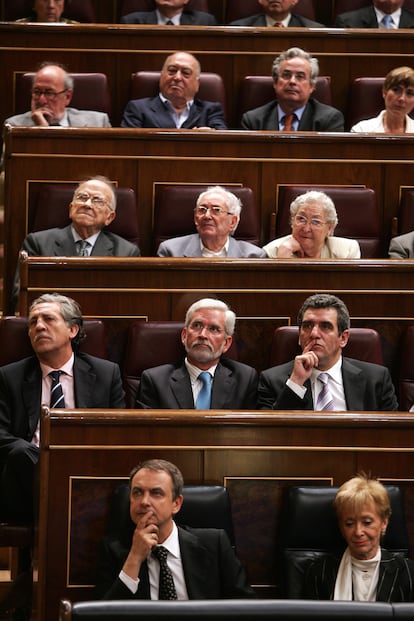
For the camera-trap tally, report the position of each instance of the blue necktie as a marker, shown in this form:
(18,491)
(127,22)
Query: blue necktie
(387,21)
(204,397)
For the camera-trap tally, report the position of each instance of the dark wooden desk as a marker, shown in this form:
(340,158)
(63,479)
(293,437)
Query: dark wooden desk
(264,293)
(118,50)
(256,455)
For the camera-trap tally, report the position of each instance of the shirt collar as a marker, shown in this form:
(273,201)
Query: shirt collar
(164,100)
(171,543)
(335,372)
(395,16)
(162,20)
(92,239)
(194,371)
(271,22)
(67,368)
(298,112)
(223,252)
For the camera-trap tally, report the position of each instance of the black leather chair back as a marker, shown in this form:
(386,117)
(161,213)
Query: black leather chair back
(310,530)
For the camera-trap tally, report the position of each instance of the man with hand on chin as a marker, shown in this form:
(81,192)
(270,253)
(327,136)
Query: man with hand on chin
(201,563)
(321,378)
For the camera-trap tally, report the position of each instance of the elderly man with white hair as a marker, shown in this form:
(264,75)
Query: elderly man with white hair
(216,216)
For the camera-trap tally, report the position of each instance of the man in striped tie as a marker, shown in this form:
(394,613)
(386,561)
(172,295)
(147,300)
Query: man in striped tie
(83,381)
(321,378)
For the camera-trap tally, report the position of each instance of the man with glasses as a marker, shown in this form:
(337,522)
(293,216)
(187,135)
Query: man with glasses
(205,379)
(177,104)
(278,14)
(93,208)
(313,219)
(294,75)
(216,216)
(52,92)
(321,378)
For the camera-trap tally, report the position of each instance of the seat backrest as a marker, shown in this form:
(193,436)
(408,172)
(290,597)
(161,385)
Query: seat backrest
(90,92)
(16,343)
(365,99)
(146,84)
(363,344)
(79,10)
(343,6)
(257,90)
(406,211)
(406,372)
(174,212)
(303,539)
(150,344)
(49,208)
(357,209)
(237,9)
(131,6)
(204,506)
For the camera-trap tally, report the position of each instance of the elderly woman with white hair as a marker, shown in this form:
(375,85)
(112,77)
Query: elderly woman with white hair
(313,220)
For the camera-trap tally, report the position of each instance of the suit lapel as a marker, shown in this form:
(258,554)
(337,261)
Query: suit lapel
(387,577)
(32,386)
(223,387)
(84,379)
(193,248)
(65,244)
(181,388)
(162,116)
(103,246)
(144,591)
(354,385)
(193,556)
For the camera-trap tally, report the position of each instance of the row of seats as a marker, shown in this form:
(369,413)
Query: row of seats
(301,540)
(174,204)
(84,11)
(153,343)
(92,92)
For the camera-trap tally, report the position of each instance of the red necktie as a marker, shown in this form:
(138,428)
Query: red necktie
(289,118)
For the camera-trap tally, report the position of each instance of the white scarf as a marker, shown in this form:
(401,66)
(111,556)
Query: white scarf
(357,579)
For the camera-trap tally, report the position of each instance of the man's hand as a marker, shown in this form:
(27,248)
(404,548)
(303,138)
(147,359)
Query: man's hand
(303,365)
(42,117)
(144,539)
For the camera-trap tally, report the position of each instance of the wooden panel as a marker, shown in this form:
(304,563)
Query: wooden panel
(143,158)
(257,455)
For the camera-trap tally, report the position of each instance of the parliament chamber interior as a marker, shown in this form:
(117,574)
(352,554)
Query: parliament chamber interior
(134,307)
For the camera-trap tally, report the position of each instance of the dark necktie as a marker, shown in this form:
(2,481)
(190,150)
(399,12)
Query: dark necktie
(81,248)
(167,586)
(204,396)
(57,399)
(289,118)
(325,400)
(169,23)
(278,25)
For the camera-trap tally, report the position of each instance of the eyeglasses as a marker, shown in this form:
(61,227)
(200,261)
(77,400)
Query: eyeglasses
(49,94)
(97,201)
(198,326)
(313,222)
(202,210)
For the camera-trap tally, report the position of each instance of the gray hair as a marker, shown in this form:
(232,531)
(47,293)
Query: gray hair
(70,311)
(232,202)
(107,182)
(327,300)
(314,196)
(294,52)
(229,315)
(161,465)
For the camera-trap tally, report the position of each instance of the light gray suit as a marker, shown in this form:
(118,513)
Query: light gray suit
(189,246)
(76,118)
(402,247)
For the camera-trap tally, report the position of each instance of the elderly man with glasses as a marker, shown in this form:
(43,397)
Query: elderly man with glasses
(216,216)
(52,92)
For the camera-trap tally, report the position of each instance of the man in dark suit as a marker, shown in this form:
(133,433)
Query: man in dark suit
(201,562)
(294,74)
(52,92)
(320,378)
(277,13)
(171,13)
(380,14)
(55,331)
(176,105)
(206,336)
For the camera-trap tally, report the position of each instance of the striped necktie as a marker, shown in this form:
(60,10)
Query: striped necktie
(82,248)
(325,400)
(57,399)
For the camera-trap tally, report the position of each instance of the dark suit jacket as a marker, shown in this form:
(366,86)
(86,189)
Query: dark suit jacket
(367,386)
(395,582)
(97,385)
(296,21)
(402,246)
(189,246)
(151,112)
(60,243)
(188,18)
(367,18)
(316,117)
(168,386)
(211,569)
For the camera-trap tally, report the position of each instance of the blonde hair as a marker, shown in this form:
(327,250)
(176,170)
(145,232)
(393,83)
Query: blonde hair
(359,491)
